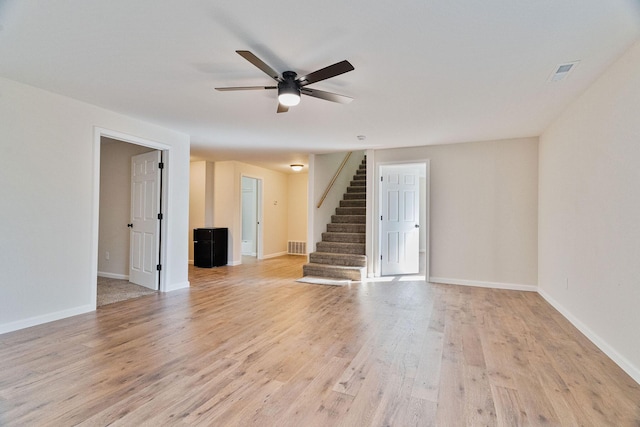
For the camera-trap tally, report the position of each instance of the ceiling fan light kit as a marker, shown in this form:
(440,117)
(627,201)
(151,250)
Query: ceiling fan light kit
(290,86)
(289,99)
(288,91)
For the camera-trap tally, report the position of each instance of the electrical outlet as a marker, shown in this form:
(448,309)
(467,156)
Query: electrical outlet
(106,255)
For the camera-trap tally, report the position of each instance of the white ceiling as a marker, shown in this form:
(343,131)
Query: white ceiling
(426,71)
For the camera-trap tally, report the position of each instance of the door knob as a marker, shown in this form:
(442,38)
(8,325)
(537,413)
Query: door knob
(130,225)
(417,225)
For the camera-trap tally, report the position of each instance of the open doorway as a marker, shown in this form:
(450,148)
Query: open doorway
(128,236)
(251,189)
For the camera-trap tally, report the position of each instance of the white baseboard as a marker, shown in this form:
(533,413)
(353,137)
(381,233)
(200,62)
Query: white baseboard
(175,286)
(481,284)
(277,254)
(113,275)
(620,360)
(45,318)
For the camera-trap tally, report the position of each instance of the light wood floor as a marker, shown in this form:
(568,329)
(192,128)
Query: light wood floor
(246,345)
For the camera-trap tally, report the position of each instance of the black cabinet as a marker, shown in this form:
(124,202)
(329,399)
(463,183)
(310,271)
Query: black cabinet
(210,247)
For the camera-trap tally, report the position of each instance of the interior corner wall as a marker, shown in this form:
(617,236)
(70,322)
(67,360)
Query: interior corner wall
(227,207)
(208,195)
(197,185)
(483,201)
(297,194)
(115,206)
(49,215)
(589,232)
(225,201)
(201,175)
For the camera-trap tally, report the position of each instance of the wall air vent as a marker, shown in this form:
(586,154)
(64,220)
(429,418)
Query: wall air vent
(297,248)
(561,71)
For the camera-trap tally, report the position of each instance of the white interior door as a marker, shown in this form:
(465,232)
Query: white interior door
(249,216)
(145,224)
(259,212)
(400,219)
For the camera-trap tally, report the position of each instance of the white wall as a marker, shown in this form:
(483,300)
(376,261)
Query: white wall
(483,210)
(115,206)
(197,185)
(297,214)
(227,207)
(589,230)
(208,203)
(200,198)
(49,163)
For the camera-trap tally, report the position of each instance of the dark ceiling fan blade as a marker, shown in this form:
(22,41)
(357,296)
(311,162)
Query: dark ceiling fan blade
(326,73)
(342,99)
(282,108)
(223,89)
(259,63)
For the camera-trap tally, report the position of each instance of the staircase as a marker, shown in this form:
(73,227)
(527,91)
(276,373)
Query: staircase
(341,253)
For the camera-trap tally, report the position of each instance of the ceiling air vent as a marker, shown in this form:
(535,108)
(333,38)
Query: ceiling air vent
(562,71)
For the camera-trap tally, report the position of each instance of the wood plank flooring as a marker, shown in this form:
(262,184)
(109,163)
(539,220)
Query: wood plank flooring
(247,345)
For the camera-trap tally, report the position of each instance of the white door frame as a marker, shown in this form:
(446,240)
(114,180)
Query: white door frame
(259,214)
(424,221)
(400,219)
(98,133)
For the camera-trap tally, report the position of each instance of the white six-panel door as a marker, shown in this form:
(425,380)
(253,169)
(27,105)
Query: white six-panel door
(400,219)
(145,225)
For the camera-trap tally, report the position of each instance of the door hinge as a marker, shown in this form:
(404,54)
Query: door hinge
(381,179)
(161,165)
(380,217)
(159,267)
(160,216)
(380,257)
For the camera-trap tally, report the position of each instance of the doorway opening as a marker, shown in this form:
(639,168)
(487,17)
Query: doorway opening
(251,213)
(128,247)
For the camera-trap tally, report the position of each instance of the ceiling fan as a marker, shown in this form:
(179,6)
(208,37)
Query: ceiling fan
(290,85)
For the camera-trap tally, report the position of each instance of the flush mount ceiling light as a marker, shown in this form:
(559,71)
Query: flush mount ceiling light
(297,167)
